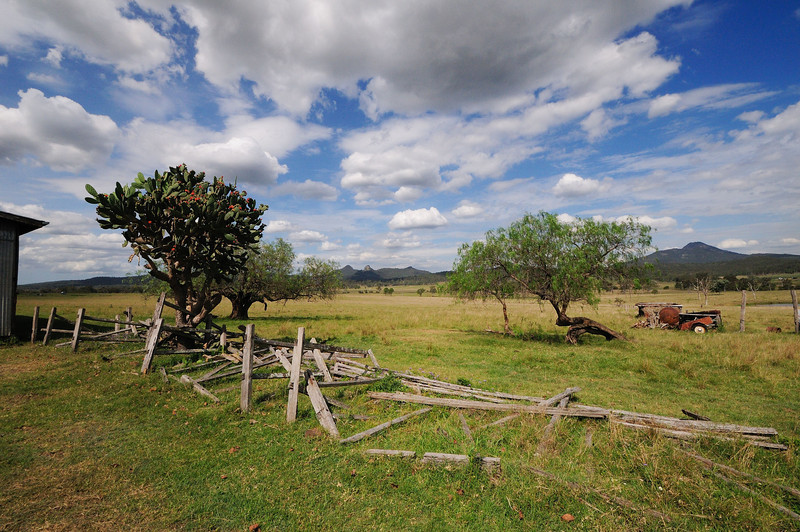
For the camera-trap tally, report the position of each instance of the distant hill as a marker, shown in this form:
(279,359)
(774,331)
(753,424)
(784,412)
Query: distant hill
(408,275)
(350,275)
(697,257)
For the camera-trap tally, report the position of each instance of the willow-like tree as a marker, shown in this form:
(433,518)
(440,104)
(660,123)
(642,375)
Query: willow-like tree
(477,275)
(269,276)
(191,233)
(565,261)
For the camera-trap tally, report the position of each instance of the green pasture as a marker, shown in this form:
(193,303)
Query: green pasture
(88,443)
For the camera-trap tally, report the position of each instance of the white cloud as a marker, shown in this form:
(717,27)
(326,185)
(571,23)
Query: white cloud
(421,56)
(571,185)
(468,209)
(715,97)
(54,56)
(736,243)
(3,60)
(279,226)
(100,32)
(418,219)
(404,240)
(59,222)
(307,189)
(143,86)
(56,131)
(790,240)
(240,158)
(307,235)
(660,223)
(41,78)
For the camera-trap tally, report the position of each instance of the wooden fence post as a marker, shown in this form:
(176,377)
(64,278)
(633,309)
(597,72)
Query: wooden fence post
(35,327)
(152,342)
(796,316)
(247,367)
(294,379)
(741,315)
(76,334)
(50,322)
(159,306)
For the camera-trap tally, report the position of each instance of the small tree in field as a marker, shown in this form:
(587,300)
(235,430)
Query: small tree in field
(478,275)
(191,233)
(562,262)
(269,276)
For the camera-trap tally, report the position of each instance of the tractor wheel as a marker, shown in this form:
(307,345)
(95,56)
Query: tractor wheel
(699,328)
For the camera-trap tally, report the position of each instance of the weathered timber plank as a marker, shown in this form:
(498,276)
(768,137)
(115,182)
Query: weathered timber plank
(294,380)
(247,368)
(548,429)
(320,406)
(709,464)
(683,424)
(763,499)
(198,387)
(369,432)
(48,331)
(35,324)
(391,452)
(445,459)
(479,405)
(338,384)
(152,342)
(372,358)
(557,398)
(465,426)
(448,391)
(693,435)
(500,421)
(323,367)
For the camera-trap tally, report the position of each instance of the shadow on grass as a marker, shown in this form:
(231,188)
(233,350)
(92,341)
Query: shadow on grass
(283,319)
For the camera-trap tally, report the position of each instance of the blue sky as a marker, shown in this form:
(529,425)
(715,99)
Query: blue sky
(387,133)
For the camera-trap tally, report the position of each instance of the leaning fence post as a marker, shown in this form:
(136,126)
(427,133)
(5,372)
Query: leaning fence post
(247,367)
(294,380)
(49,329)
(152,342)
(796,315)
(35,327)
(76,334)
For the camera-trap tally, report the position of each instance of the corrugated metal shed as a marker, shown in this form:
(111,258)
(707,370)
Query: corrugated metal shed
(11,227)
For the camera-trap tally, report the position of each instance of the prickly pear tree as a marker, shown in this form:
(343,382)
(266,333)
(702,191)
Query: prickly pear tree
(191,233)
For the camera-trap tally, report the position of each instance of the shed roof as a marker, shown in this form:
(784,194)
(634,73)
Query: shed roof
(25,224)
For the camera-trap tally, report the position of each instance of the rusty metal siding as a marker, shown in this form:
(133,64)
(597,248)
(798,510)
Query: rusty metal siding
(9,252)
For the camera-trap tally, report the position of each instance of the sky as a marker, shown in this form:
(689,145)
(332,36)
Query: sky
(388,133)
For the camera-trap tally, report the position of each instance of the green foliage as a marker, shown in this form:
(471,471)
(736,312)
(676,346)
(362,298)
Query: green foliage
(389,383)
(184,228)
(461,381)
(268,275)
(560,262)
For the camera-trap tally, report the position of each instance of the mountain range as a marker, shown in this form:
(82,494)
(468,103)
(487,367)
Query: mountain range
(694,257)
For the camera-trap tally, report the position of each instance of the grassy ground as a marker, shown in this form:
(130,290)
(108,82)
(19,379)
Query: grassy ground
(90,444)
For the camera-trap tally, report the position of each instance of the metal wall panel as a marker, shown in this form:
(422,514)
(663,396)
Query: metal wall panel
(9,250)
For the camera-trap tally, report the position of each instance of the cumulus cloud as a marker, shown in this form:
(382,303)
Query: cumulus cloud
(101,33)
(420,56)
(279,226)
(418,219)
(571,185)
(468,209)
(59,222)
(3,60)
(238,157)
(736,243)
(55,131)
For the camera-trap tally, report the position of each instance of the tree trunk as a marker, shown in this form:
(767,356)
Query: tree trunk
(580,326)
(239,308)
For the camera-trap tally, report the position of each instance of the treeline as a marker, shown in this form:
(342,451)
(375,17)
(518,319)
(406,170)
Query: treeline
(724,283)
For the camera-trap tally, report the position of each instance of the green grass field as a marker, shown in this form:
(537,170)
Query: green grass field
(87,443)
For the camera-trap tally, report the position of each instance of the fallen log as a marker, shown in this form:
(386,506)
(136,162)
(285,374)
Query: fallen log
(320,406)
(391,452)
(479,405)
